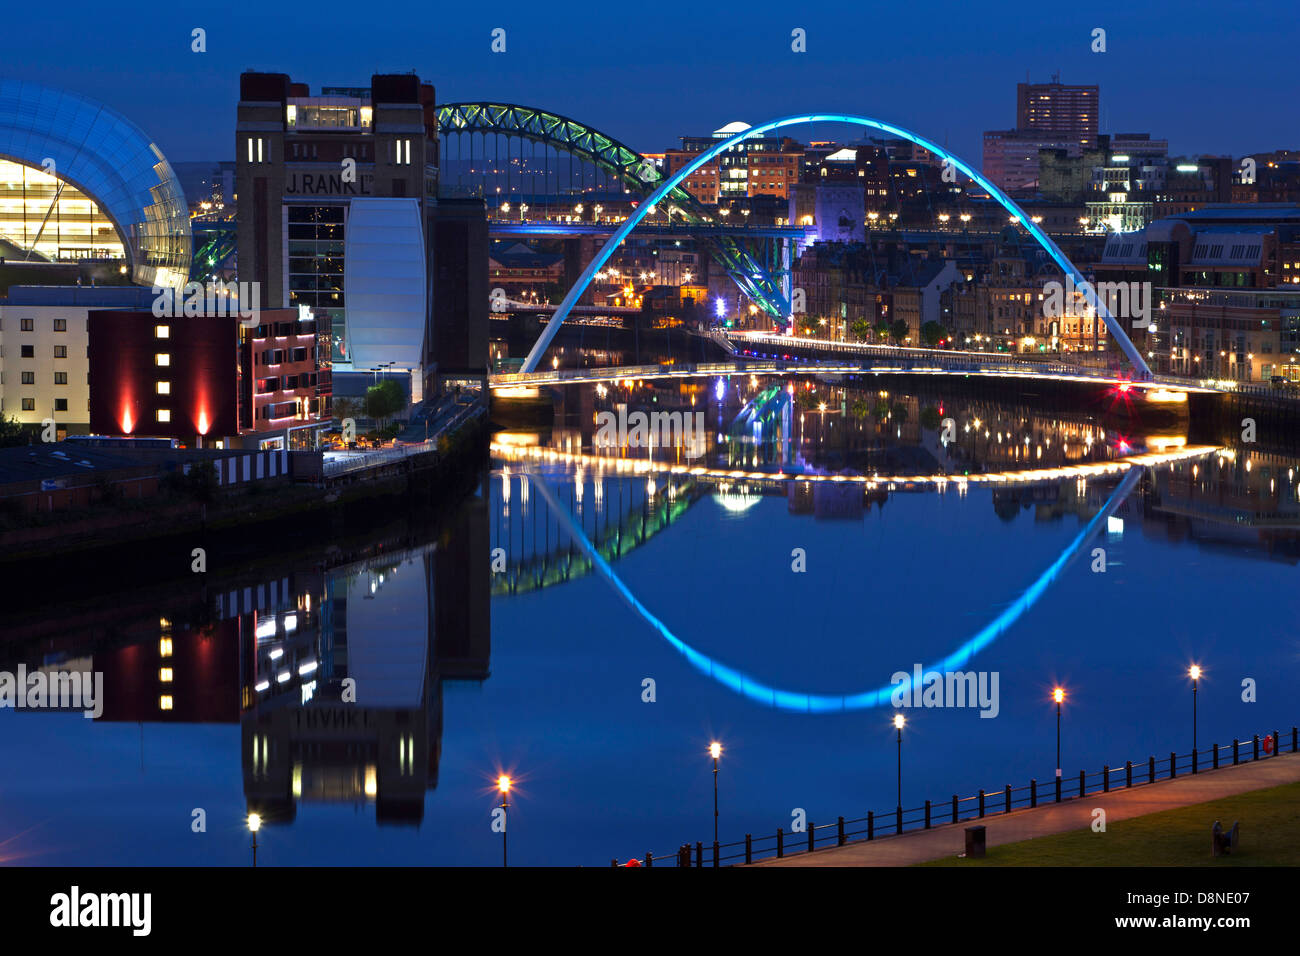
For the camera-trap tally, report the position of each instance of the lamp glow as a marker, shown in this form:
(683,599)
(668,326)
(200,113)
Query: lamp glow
(254,822)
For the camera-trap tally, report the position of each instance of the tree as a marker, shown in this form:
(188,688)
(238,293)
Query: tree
(882,329)
(345,407)
(861,328)
(11,433)
(202,481)
(385,400)
(930,418)
(898,331)
(932,333)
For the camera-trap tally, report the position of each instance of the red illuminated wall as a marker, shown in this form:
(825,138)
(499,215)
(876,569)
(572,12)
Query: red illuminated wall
(123,375)
(204,679)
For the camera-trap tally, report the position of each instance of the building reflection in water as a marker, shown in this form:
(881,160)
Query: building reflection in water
(342,703)
(334,671)
(830,424)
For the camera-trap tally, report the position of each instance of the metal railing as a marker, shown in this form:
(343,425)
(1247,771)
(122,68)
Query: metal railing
(985,803)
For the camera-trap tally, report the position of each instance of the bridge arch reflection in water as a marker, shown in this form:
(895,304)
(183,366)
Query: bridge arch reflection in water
(804,702)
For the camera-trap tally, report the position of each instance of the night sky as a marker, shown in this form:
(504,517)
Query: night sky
(1209,77)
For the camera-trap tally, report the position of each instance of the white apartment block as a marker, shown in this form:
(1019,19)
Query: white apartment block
(44,351)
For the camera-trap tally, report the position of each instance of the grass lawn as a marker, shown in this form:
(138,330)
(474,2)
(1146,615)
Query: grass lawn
(1270,836)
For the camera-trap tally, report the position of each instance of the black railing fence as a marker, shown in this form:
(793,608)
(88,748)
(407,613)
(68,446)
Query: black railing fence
(815,836)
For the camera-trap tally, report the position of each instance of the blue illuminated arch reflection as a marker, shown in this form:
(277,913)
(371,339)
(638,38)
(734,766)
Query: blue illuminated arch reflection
(742,683)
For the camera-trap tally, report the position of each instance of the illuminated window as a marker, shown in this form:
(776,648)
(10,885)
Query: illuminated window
(165,674)
(165,647)
(165,702)
(164,388)
(164,415)
(162,358)
(162,331)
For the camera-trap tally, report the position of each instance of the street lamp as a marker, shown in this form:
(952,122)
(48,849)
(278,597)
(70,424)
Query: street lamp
(503,785)
(1058,695)
(899,720)
(715,751)
(254,824)
(1195,674)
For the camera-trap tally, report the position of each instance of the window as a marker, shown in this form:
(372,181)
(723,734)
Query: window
(29,404)
(165,702)
(165,675)
(29,351)
(26,325)
(163,388)
(60,325)
(162,359)
(60,378)
(29,378)
(164,415)
(162,331)
(60,404)
(60,351)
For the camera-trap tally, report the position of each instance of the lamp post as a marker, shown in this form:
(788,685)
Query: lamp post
(1058,695)
(899,720)
(503,785)
(715,751)
(1195,674)
(254,824)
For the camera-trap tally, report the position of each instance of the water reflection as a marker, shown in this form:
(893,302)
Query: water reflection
(406,616)
(847,425)
(334,671)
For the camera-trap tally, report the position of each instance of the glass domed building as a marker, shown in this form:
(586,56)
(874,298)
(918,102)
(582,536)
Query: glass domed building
(79,180)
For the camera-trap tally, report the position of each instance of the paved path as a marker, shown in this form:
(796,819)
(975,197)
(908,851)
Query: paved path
(1074,814)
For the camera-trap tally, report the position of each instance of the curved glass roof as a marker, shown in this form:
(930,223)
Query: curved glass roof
(109,158)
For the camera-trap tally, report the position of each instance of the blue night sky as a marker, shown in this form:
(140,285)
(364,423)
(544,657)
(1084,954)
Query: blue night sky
(1209,77)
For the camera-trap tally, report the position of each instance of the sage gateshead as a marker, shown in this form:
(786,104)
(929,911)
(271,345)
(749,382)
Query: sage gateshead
(80,181)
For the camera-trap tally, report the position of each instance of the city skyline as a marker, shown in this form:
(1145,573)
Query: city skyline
(1235,75)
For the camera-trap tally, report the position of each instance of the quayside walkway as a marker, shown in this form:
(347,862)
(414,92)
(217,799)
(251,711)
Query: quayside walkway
(919,846)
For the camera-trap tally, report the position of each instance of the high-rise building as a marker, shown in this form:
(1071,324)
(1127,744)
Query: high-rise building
(1048,116)
(1066,110)
(337,194)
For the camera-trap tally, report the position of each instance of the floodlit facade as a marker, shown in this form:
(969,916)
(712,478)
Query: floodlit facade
(78,180)
(44,341)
